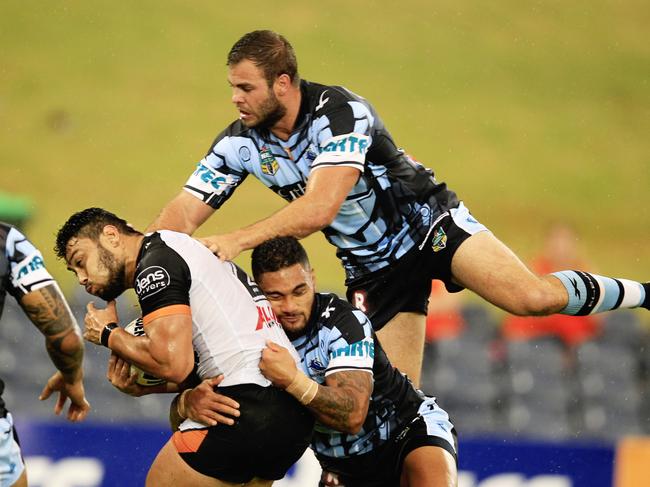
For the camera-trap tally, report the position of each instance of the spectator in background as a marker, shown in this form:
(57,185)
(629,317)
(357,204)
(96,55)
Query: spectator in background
(560,251)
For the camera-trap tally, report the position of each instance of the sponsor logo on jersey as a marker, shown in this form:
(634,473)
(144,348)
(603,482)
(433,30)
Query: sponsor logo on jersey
(151,280)
(322,100)
(348,144)
(245,153)
(268,162)
(311,154)
(33,265)
(439,240)
(362,348)
(316,365)
(266,317)
(217,180)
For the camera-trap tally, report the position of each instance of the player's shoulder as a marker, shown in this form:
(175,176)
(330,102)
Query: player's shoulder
(336,313)
(235,129)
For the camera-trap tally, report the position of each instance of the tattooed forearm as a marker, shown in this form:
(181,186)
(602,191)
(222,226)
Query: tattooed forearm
(48,310)
(343,403)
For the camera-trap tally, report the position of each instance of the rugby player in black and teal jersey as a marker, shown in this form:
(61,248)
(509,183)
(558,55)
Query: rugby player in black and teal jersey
(374,429)
(326,151)
(23,275)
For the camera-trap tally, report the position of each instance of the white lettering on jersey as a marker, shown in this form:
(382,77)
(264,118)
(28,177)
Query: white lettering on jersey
(360,301)
(151,280)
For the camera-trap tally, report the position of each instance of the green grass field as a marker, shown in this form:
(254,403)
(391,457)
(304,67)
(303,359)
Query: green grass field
(533,112)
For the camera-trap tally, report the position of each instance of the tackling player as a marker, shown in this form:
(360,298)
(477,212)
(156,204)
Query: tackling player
(24,276)
(191,303)
(326,151)
(374,429)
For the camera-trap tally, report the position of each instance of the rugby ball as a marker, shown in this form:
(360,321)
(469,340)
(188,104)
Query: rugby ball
(144,379)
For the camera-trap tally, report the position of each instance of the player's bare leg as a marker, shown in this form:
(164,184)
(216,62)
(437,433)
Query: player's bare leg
(402,338)
(429,466)
(486,266)
(22,480)
(258,482)
(170,470)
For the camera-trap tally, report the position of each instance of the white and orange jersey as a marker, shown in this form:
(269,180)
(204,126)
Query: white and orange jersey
(231,318)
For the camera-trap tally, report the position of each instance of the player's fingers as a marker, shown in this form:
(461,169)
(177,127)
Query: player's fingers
(60,402)
(219,401)
(215,381)
(217,418)
(46,392)
(90,307)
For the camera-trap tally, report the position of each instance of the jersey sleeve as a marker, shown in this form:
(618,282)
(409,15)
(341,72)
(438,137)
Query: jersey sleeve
(351,345)
(162,284)
(218,174)
(343,134)
(27,269)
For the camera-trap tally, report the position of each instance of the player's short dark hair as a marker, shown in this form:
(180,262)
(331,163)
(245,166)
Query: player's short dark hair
(269,51)
(276,254)
(89,223)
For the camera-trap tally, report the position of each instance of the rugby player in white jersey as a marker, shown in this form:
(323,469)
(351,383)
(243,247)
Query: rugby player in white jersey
(395,227)
(192,304)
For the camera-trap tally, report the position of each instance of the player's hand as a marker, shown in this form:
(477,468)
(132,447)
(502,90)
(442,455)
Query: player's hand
(96,319)
(119,374)
(204,405)
(79,406)
(278,365)
(226,246)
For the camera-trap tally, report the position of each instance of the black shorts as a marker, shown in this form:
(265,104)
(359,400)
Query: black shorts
(383,467)
(271,434)
(406,285)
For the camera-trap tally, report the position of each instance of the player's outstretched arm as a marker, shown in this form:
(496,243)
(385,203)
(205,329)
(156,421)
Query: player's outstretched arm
(185,213)
(326,191)
(48,310)
(340,404)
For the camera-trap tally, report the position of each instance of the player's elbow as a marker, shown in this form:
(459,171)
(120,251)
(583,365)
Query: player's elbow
(176,371)
(355,421)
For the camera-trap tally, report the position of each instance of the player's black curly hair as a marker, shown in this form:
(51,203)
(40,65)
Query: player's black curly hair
(276,254)
(89,223)
(269,51)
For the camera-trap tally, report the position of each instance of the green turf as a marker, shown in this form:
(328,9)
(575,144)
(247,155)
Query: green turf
(532,111)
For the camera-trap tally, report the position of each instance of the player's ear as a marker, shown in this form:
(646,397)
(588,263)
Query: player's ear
(282,84)
(111,234)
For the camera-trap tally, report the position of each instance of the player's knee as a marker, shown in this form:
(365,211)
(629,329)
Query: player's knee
(535,301)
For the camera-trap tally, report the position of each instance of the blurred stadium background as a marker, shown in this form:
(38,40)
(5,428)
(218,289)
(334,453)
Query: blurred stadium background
(534,112)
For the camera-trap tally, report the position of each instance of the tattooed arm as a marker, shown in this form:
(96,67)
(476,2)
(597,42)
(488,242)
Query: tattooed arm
(341,403)
(47,309)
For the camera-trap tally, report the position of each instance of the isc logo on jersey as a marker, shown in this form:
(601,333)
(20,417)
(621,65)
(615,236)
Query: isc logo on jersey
(151,280)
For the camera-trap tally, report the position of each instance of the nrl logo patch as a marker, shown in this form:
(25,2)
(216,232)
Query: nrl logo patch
(268,162)
(439,240)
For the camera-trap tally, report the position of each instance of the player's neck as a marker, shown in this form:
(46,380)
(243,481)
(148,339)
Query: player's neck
(133,245)
(283,128)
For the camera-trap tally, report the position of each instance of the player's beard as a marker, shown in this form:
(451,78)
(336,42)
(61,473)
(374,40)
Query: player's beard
(116,271)
(270,112)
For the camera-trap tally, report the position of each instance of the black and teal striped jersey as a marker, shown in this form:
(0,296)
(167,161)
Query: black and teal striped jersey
(387,212)
(22,270)
(339,338)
